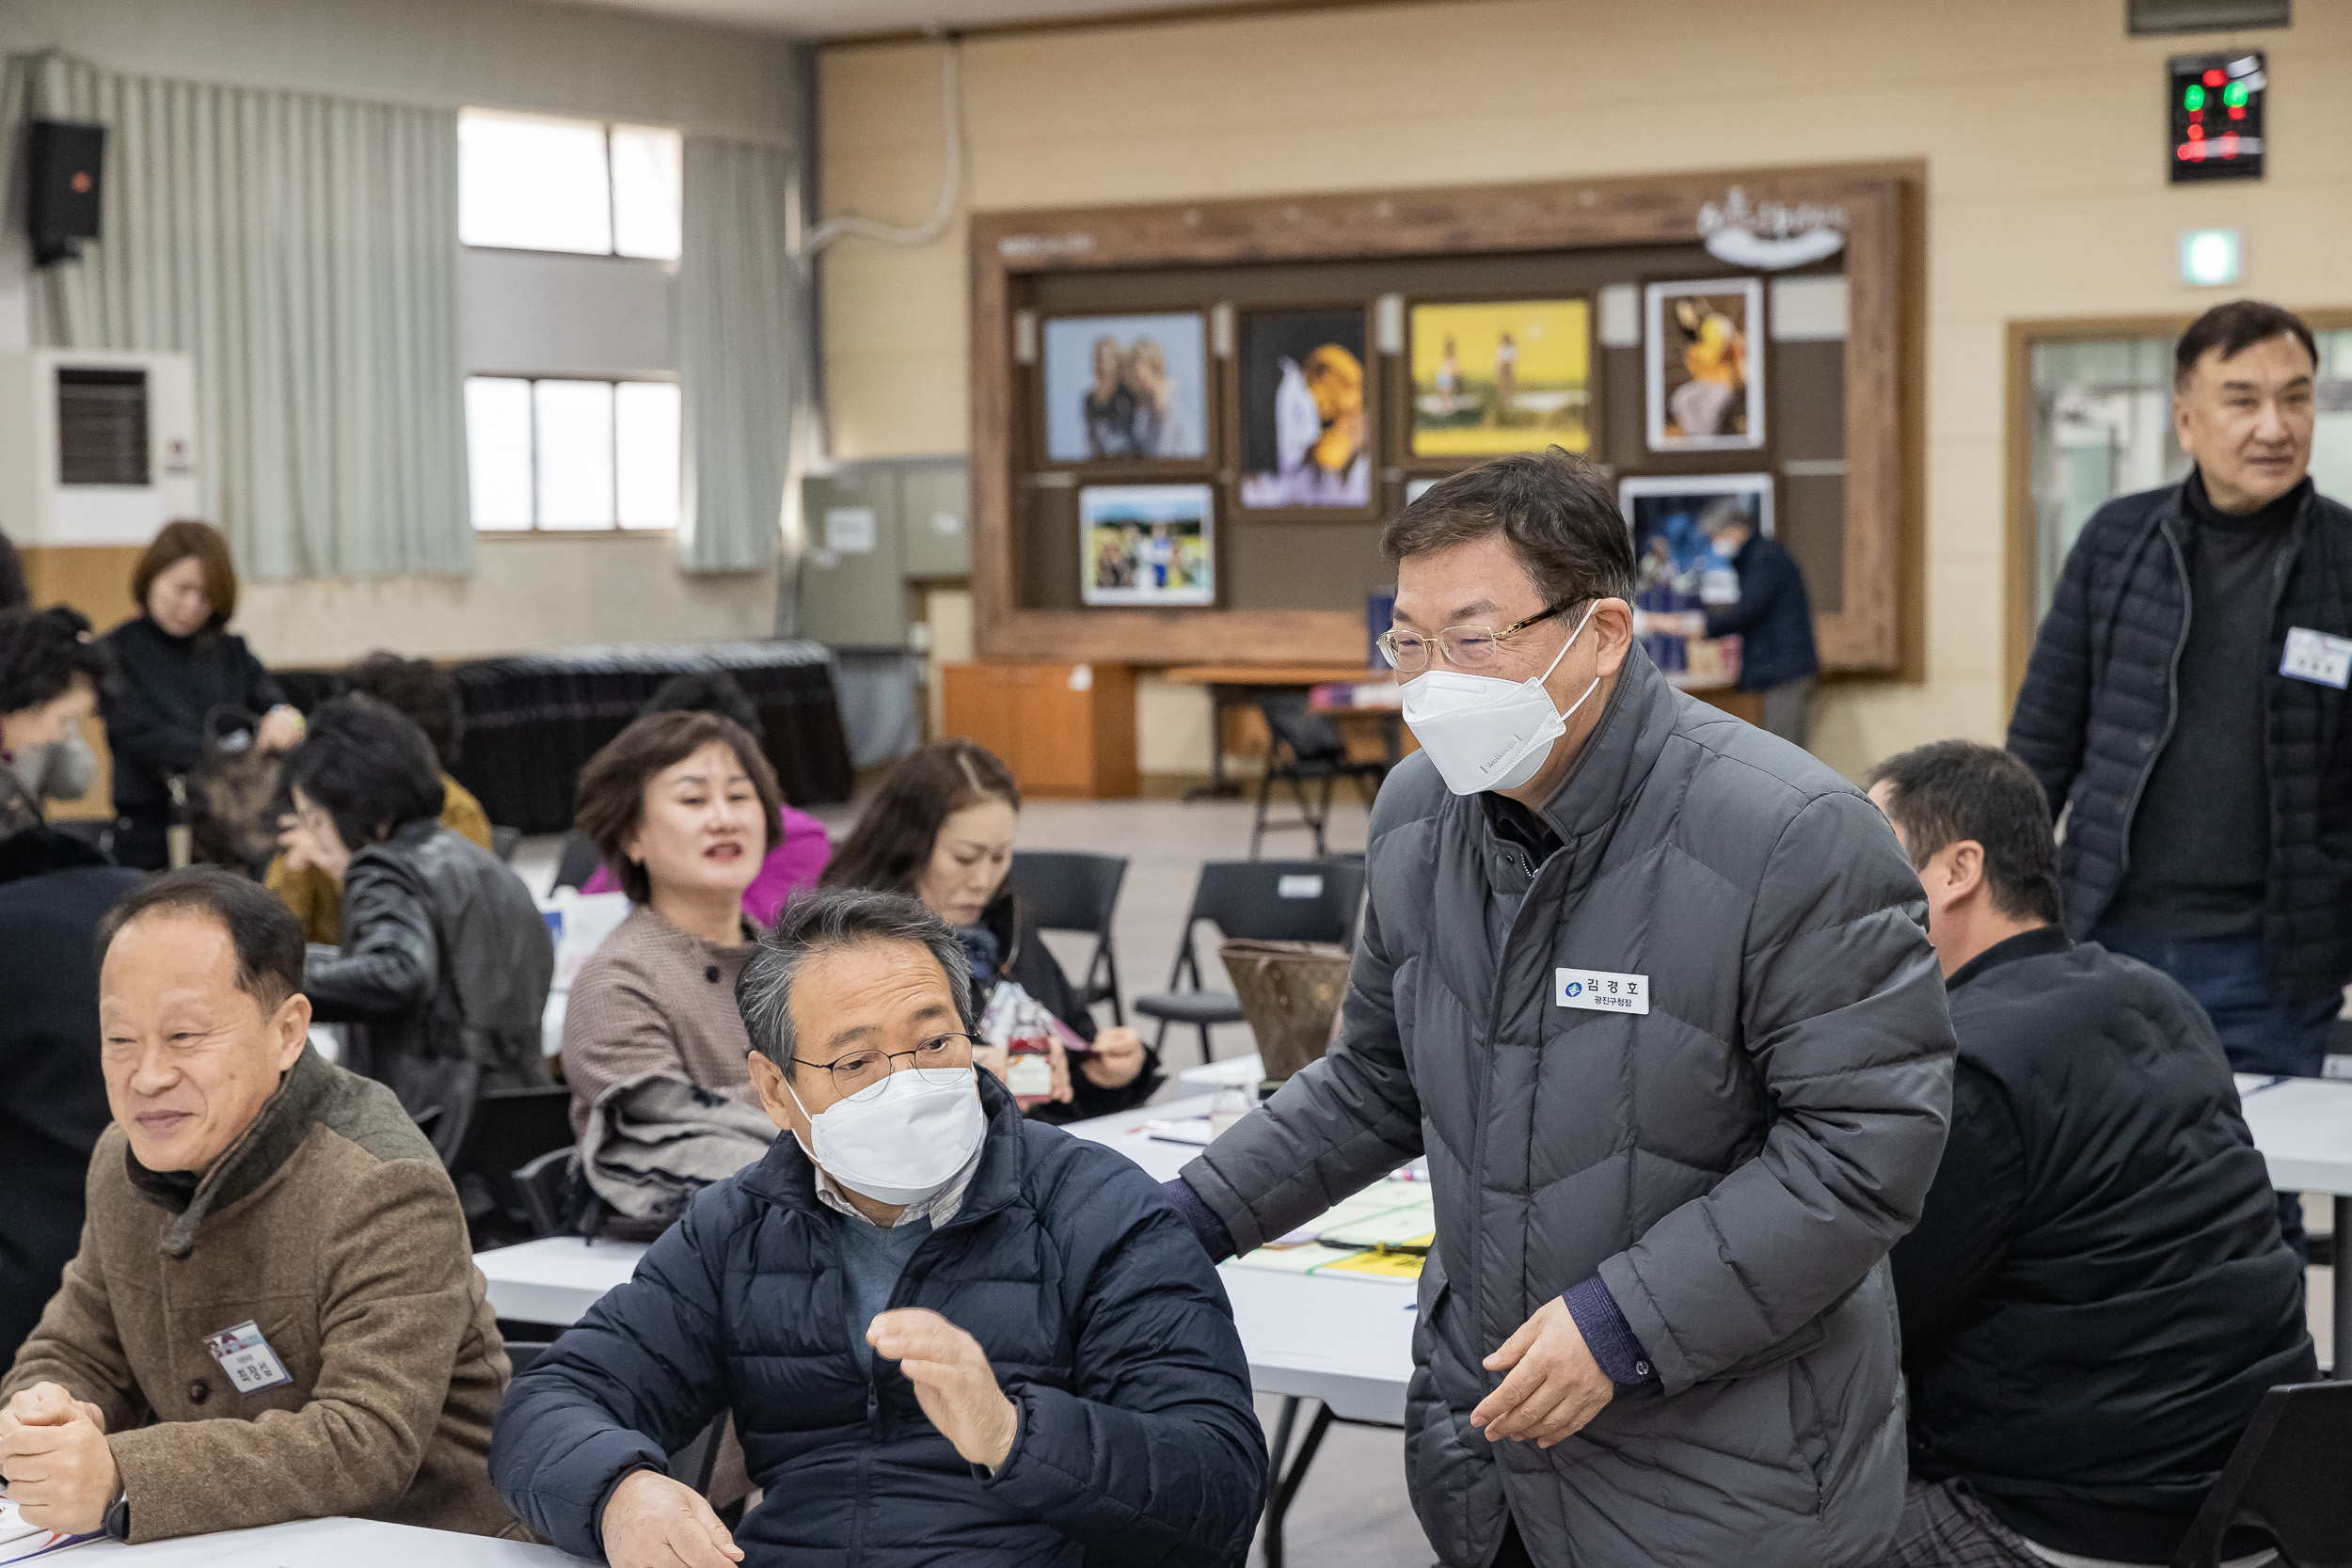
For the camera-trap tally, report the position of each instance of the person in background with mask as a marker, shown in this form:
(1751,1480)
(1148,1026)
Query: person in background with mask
(2185,708)
(1651,990)
(938,1326)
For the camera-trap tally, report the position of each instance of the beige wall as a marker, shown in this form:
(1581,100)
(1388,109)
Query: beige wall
(2040,124)
(524,595)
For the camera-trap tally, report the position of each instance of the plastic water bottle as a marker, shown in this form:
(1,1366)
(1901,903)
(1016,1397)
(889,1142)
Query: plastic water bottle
(1230,1104)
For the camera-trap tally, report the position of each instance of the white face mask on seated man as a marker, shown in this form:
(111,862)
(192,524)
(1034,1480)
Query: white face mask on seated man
(905,1135)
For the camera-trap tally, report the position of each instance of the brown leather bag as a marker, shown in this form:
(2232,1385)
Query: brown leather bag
(1291,992)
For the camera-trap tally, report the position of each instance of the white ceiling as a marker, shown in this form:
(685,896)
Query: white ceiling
(839,18)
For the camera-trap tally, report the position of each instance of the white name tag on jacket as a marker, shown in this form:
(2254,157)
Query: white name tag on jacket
(246,1357)
(1601,991)
(2314,655)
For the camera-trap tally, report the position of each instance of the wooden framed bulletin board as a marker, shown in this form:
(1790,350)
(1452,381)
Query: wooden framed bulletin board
(1279,572)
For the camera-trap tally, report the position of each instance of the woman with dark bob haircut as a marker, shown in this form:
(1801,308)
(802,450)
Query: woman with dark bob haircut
(50,677)
(683,808)
(427,694)
(444,959)
(178,662)
(942,829)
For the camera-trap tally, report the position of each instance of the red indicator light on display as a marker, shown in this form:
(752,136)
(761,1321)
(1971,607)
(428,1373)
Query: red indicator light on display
(2214,78)
(2237,111)
(2196,133)
(2228,147)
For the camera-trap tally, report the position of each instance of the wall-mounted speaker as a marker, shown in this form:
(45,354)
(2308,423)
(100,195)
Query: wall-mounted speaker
(63,161)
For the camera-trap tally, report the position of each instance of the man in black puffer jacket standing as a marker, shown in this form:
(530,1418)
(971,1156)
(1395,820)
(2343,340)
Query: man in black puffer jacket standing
(2184,708)
(2097,1293)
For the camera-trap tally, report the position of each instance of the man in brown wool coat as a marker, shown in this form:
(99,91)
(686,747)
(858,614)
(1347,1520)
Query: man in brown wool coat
(274,1314)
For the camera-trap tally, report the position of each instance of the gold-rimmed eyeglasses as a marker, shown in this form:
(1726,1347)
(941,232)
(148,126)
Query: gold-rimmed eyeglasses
(861,1070)
(1465,647)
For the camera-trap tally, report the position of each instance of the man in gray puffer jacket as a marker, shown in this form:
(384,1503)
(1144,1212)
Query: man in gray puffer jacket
(1653,992)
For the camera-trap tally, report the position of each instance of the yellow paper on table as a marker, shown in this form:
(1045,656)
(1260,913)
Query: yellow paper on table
(1380,1266)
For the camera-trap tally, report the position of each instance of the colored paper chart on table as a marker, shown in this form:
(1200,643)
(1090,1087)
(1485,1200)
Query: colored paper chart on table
(1382,1265)
(1345,1238)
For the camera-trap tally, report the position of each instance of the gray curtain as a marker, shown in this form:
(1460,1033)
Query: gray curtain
(739,352)
(303,251)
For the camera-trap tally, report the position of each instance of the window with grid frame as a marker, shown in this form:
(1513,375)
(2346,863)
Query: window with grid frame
(572,455)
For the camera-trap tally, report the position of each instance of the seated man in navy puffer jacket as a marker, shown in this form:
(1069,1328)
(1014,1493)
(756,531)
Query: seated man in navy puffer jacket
(945,1333)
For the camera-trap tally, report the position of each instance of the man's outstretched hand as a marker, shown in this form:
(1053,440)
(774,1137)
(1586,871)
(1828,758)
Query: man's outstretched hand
(1555,1386)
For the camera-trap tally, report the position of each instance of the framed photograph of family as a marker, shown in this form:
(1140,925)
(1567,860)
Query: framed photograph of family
(1125,389)
(1147,543)
(1703,344)
(1302,400)
(1497,376)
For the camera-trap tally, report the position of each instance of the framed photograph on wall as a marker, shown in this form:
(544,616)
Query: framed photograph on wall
(1303,402)
(1128,388)
(1678,568)
(1147,543)
(1497,376)
(1703,346)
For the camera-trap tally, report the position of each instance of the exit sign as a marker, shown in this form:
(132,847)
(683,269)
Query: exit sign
(2216,117)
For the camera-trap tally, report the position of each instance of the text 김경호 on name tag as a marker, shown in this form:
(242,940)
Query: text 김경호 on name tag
(1597,991)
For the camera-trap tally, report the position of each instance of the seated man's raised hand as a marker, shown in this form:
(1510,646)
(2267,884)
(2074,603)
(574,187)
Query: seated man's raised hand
(52,1450)
(953,1381)
(651,1521)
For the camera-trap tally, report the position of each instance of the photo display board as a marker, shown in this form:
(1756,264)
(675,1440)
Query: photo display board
(1189,427)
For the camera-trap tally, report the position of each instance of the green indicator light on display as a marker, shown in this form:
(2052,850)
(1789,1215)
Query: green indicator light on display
(2233,95)
(2194,98)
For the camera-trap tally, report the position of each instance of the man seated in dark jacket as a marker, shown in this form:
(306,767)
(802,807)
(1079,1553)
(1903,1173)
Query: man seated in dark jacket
(943,1331)
(2098,1292)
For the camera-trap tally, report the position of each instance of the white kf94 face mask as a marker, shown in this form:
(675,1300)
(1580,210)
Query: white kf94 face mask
(900,1140)
(1487,733)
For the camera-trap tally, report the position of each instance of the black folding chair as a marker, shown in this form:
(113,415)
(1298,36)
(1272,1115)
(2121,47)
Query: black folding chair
(521,1353)
(510,1127)
(1304,752)
(2285,1481)
(1254,900)
(541,1185)
(577,861)
(1068,890)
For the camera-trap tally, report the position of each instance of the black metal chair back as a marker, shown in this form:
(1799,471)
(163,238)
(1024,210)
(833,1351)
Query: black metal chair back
(577,861)
(508,1129)
(2285,1480)
(541,1184)
(1297,728)
(1306,752)
(1272,901)
(1070,891)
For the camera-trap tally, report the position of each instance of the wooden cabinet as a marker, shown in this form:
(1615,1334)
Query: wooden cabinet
(1067,731)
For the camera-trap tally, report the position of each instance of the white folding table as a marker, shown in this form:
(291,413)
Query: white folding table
(2303,1127)
(346,1543)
